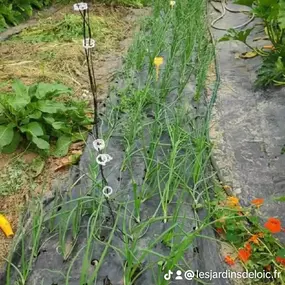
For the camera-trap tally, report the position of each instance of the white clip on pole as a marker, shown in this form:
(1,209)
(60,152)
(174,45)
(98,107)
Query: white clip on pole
(80,6)
(107,191)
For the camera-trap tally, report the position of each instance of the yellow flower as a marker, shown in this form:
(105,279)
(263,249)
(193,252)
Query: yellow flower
(232,201)
(172,3)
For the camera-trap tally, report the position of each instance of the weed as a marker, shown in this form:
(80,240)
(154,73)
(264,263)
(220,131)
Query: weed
(12,12)
(105,29)
(272,13)
(13,178)
(32,113)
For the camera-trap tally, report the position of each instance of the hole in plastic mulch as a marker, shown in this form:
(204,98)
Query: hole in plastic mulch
(196,249)
(94,262)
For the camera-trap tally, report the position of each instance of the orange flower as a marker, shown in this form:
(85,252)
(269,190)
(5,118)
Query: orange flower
(257,202)
(248,247)
(260,235)
(229,260)
(254,239)
(281,260)
(232,201)
(243,254)
(273,225)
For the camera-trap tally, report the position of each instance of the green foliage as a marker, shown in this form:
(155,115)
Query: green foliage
(272,12)
(271,71)
(236,35)
(12,12)
(13,178)
(238,225)
(35,113)
(244,2)
(66,30)
(131,3)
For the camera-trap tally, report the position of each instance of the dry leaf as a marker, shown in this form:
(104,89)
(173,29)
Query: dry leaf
(249,54)
(269,47)
(67,160)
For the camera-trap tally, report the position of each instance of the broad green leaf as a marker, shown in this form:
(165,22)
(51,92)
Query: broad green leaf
(34,128)
(45,90)
(281,253)
(35,115)
(3,120)
(233,237)
(49,120)
(233,34)
(18,103)
(51,107)
(21,90)
(32,89)
(6,134)
(58,125)
(244,2)
(62,145)
(40,143)
(13,145)
(267,10)
(267,3)
(25,121)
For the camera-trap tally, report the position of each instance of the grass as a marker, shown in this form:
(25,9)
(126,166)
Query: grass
(158,128)
(13,178)
(68,28)
(131,3)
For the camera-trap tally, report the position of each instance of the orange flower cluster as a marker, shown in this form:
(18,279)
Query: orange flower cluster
(232,201)
(273,225)
(255,238)
(280,260)
(245,253)
(257,202)
(229,260)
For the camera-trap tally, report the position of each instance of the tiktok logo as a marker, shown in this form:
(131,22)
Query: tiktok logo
(168,275)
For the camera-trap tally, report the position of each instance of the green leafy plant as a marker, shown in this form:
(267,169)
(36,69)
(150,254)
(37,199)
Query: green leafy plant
(255,245)
(35,114)
(272,12)
(12,12)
